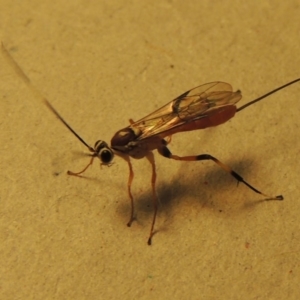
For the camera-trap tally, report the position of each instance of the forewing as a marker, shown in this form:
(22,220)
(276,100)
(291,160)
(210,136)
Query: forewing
(189,106)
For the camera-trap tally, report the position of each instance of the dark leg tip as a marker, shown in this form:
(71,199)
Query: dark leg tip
(149,241)
(132,218)
(279,197)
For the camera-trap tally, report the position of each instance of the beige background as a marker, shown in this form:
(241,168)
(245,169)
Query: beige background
(103,62)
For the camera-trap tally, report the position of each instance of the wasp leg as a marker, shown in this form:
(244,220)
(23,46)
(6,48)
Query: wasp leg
(78,173)
(164,151)
(168,139)
(129,183)
(150,157)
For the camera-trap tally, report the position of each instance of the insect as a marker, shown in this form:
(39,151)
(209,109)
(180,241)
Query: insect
(207,105)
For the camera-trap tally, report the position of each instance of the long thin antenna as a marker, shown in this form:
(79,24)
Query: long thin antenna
(268,94)
(37,94)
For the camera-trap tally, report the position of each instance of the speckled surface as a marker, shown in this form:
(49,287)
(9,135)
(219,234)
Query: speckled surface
(100,63)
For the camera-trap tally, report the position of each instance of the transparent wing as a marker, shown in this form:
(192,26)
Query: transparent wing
(191,105)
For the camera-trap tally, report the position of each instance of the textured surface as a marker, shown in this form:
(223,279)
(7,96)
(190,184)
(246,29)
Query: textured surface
(103,62)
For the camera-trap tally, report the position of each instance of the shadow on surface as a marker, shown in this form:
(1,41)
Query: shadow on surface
(199,184)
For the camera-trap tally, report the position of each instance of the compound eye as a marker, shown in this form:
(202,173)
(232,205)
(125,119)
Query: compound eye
(106,155)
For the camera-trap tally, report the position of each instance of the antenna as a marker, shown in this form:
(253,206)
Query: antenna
(37,94)
(268,94)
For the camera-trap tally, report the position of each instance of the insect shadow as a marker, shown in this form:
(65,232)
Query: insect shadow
(201,187)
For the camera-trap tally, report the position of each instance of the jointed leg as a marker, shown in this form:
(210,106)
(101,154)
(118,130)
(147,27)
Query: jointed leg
(164,151)
(130,179)
(78,173)
(150,157)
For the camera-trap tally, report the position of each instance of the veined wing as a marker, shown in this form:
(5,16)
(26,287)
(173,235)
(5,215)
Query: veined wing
(191,105)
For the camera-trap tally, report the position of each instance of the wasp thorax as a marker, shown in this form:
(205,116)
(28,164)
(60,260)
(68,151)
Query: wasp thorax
(123,137)
(104,153)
